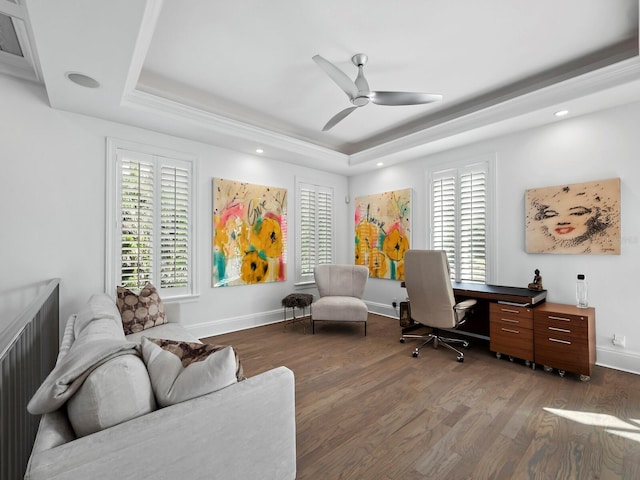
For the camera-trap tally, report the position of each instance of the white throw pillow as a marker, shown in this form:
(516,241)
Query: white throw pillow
(116,391)
(173,382)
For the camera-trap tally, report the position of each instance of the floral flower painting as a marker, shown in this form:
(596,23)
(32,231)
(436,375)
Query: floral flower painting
(249,233)
(383,230)
(582,218)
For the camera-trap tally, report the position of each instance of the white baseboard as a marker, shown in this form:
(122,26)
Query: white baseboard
(615,358)
(234,324)
(383,309)
(618,359)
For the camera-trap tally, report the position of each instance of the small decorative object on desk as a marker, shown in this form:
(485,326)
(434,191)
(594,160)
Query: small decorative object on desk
(537,282)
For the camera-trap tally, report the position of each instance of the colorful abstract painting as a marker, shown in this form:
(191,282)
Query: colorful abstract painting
(249,233)
(383,231)
(577,218)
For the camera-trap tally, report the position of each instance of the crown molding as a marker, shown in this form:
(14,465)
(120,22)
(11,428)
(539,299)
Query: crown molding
(467,118)
(501,109)
(225,127)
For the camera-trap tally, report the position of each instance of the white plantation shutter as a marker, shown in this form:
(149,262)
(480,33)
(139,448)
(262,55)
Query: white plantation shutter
(315,216)
(324,239)
(443,224)
(174,227)
(137,218)
(473,226)
(307,256)
(459,220)
(153,239)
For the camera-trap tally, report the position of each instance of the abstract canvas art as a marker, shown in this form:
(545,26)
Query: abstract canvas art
(577,218)
(249,233)
(383,232)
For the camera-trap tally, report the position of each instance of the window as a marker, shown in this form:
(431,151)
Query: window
(150,212)
(460,206)
(315,219)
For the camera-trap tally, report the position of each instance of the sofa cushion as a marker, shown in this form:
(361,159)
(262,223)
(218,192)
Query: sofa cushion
(99,307)
(174,331)
(180,371)
(115,392)
(140,311)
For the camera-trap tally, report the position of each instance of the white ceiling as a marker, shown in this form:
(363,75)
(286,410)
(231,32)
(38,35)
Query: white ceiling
(239,74)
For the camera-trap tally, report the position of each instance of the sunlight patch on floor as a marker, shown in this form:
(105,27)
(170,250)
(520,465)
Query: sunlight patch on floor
(629,429)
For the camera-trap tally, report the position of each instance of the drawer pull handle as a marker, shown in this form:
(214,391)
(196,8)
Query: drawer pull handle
(508,310)
(509,330)
(559,341)
(556,329)
(564,319)
(510,320)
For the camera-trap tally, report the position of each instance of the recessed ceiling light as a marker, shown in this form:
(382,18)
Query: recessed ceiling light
(82,80)
(379,164)
(561,113)
(259,150)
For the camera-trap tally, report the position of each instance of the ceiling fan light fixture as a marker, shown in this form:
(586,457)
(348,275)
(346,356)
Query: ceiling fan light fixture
(360,101)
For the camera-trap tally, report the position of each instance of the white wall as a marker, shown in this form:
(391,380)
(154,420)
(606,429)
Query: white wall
(593,147)
(52,200)
(52,207)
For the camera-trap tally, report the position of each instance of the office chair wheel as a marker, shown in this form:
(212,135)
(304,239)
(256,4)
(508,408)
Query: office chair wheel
(585,378)
(548,368)
(415,354)
(460,359)
(498,355)
(466,345)
(402,340)
(561,373)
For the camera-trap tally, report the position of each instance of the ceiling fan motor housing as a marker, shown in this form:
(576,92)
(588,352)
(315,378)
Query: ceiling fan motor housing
(359,59)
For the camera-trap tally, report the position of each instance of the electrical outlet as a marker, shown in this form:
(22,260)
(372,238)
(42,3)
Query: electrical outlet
(394,302)
(618,340)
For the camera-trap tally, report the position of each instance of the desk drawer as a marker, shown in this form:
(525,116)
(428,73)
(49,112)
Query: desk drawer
(520,317)
(507,339)
(573,325)
(563,352)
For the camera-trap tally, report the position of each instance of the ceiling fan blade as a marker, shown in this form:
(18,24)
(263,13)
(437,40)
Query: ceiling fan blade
(403,98)
(338,117)
(338,76)
(361,82)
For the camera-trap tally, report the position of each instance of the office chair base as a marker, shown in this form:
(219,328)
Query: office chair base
(437,340)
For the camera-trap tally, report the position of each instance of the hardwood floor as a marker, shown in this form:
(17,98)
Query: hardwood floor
(365,409)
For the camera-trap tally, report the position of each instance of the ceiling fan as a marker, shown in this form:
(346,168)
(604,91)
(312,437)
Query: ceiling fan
(359,93)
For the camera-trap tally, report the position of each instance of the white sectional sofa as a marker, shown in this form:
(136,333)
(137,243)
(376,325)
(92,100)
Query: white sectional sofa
(112,428)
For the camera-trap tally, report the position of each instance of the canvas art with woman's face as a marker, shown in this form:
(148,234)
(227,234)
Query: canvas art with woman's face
(577,218)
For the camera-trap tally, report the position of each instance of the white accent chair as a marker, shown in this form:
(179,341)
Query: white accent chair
(431,300)
(341,288)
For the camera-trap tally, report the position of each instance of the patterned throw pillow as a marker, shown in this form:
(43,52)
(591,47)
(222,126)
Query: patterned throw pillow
(140,311)
(189,352)
(208,369)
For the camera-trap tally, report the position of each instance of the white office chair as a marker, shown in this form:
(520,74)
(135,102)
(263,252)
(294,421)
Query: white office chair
(431,300)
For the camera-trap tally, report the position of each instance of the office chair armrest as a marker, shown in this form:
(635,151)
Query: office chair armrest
(465,304)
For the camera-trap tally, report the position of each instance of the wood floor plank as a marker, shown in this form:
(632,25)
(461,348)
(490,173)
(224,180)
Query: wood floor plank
(366,409)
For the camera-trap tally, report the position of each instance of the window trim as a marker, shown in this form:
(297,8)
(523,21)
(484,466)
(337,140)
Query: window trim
(307,279)
(489,160)
(112,256)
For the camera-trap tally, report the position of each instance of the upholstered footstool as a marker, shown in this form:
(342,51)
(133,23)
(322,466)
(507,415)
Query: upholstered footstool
(297,300)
